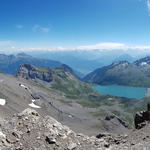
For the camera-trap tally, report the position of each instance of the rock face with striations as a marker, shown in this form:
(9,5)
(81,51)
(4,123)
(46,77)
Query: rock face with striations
(28,71)
(116,119)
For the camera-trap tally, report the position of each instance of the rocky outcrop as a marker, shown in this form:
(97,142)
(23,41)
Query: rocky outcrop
(28,130)
(28,71)
(116,119)
(142,117)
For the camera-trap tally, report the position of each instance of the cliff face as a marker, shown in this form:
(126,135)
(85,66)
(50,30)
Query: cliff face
(30,72)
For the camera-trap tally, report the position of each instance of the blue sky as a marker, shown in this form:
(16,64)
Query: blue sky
(60,24)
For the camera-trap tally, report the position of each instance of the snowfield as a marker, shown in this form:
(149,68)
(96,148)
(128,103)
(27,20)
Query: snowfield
(2,135)
(33,105)
(22,85)
(143,63)
(2,101)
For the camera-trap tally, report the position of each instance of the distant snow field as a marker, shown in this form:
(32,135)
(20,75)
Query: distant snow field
(143,63)
(2,101)
(33,105)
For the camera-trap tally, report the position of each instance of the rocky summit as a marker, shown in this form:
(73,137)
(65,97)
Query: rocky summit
(29,130)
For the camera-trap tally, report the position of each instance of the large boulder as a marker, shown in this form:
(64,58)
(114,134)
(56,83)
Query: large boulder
(142,117)
(116,119)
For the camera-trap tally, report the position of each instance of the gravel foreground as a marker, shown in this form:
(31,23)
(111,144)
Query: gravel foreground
(30,131)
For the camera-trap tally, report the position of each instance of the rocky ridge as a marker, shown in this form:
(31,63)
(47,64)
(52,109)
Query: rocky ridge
(29,130)
(28,71)
(10,63)
(122,73)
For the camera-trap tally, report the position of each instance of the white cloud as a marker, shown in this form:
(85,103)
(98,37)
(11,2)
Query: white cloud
(3,43)
(45,30)
(104,46)
(59,48)
(13,47)
(148,6)
(6,46)
(19,26)
(39,28)
(35,28)
(140,47)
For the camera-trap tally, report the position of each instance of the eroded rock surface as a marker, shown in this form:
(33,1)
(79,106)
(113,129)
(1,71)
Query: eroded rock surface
(28,130)
(142,117)
(28,71)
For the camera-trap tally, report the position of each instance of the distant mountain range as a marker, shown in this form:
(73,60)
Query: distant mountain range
(135,73)
(122,73)
(85,61)
(10,63)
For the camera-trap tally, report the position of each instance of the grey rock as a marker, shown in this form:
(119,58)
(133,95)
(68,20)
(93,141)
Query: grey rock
(72,146)
(113,116)
(32,131)
(28,71)
(141,118)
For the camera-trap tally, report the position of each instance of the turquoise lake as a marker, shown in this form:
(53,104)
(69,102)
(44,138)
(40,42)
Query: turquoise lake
(122,91)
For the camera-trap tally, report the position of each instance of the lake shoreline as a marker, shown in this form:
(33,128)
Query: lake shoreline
(123,91)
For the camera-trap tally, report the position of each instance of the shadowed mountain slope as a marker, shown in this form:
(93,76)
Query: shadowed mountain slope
(121,73)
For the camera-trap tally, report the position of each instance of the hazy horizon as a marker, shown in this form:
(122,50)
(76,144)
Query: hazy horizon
(69,25)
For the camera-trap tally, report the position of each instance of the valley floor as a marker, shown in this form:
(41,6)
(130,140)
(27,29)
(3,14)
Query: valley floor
(21,94)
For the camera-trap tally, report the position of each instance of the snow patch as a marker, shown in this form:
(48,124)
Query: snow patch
(1,81)
(143,63)
(2,101)
(124,64)
(70,116)
(33,105)
(2,134)
(22,85)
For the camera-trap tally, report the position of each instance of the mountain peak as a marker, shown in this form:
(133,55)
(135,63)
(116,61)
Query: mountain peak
(115,63)
(143,61)
(121,73)
(23,55)
(66,68)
